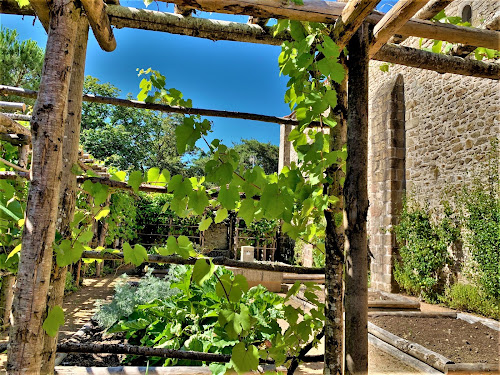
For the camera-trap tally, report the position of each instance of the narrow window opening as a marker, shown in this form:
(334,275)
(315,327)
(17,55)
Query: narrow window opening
(467,14)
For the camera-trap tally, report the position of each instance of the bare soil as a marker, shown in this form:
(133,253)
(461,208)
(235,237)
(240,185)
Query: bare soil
(455,339)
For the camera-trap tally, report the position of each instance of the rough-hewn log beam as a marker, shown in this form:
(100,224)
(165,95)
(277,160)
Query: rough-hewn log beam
(99,20)
(356,207)
(429,10)
(11,106)
(223,30)
(400,13)
(439,63)
(26,335)
(17,116)
(328,11)
(161,107)
(8,125)
(220,261)
(41,8)
(178,9)
(352,17)
(320,11)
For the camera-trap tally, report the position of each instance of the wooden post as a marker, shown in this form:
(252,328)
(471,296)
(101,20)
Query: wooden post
(47,125)
(67,194)
(356,206)
(334,245)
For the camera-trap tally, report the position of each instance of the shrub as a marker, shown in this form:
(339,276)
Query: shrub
(480,217)
(423,250)
(127,297)
(69,285)
(468,297)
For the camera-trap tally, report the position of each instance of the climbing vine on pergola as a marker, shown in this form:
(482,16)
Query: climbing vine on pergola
(328,90)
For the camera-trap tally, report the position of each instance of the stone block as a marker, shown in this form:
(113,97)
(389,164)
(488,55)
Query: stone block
(247,254)
(270,280)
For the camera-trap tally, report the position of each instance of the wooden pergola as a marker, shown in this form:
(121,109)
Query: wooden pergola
(55,128)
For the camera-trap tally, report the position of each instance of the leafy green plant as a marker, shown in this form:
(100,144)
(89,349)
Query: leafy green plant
(216,315)
(423,249)
(69,285)
(467,297)
(479,206)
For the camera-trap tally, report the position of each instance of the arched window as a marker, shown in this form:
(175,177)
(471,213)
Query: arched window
(467,14)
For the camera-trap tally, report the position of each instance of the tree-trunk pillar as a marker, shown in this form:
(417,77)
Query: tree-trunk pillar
(47,125)
(356,206)
(334,246)
(67,195)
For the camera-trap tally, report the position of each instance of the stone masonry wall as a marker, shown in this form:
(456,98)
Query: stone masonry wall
(450,122)
(386,178)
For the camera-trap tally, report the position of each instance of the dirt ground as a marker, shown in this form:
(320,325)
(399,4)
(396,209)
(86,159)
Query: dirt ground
(476,343)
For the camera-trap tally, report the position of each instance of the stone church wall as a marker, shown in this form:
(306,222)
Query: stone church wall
(449,122)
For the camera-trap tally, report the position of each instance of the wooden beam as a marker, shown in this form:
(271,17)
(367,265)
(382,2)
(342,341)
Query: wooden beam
(356,207)
(392,22)
(178,9)
(429,10)
(319,11)
(10,126)
(328,11)
(11,106)
(353,16)
(162,107)
(26,334)
(416,58)
(99,20)
(42,10)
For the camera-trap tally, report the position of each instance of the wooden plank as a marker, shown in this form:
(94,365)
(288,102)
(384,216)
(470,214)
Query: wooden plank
(356,207)
(392,22)
(99,21)
(472,369)
(352,17)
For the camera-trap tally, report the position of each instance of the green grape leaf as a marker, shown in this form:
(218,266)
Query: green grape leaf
(86,236)
(203,270)
(247,210)
(293,290)
(244,359)
(54,319)
(198,201)
(68,253)
(118,176)
(221,215)
(205,224)
(135,180)
(103,213)
(228,196)
(136,255)
(153,175)
(14,251)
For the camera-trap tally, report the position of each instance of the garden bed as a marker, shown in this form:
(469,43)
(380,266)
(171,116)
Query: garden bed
(438,340)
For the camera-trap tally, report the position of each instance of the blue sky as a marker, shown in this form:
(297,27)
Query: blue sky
(219,75)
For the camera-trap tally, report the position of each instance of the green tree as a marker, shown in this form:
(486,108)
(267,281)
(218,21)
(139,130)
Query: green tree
(128,138)
(20,61)
(251,153)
